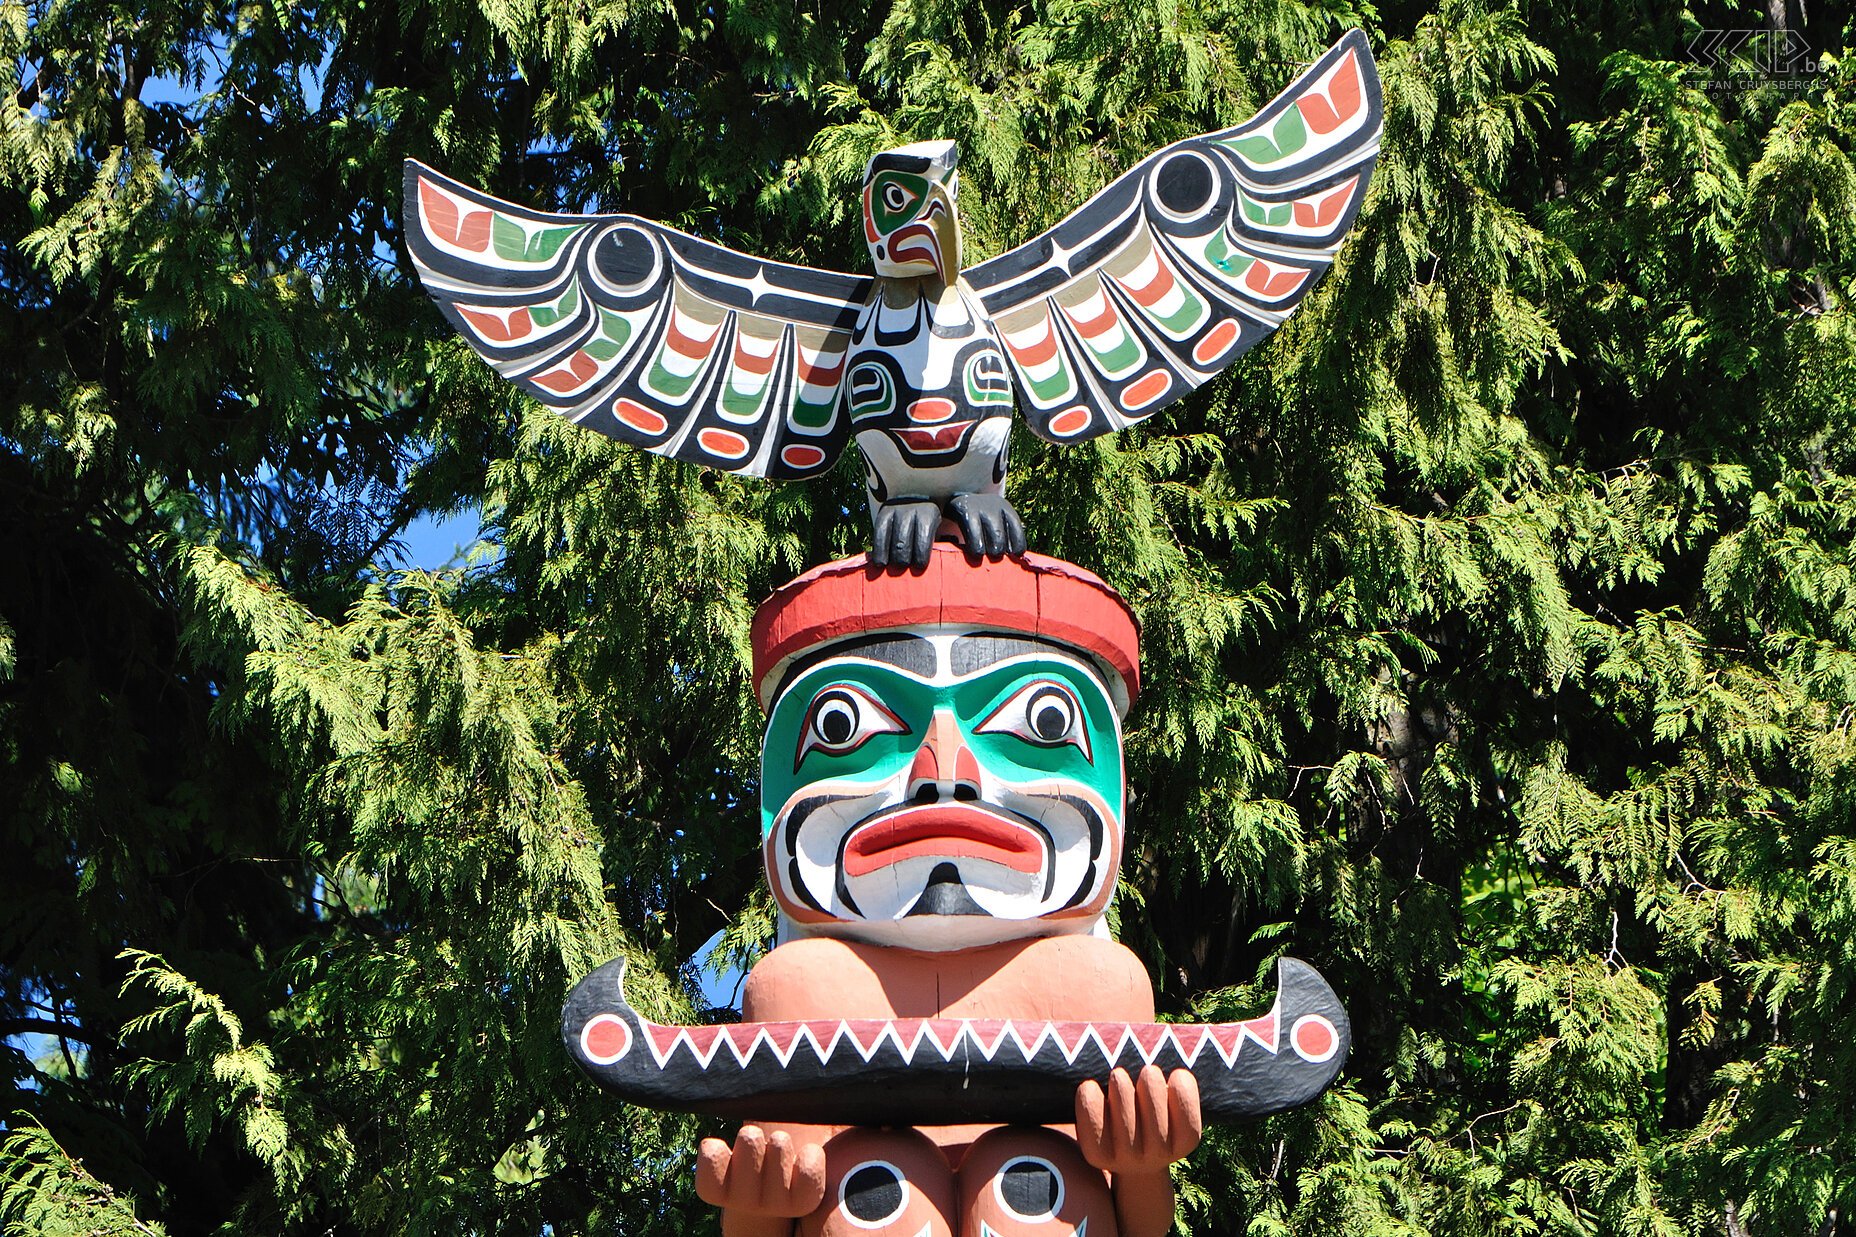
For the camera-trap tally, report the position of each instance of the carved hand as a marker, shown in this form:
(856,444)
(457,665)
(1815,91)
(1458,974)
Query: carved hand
(1138,1125)
(1133,1129)
(763,1183)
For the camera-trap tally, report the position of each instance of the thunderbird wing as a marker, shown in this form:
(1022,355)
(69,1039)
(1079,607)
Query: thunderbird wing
(1167,276)
(644,333)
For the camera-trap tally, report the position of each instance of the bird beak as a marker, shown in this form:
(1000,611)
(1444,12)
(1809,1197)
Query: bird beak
(934,237)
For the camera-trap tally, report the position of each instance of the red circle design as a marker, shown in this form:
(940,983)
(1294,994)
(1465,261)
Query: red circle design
(801,456)
(1071,421)
(1314,1038)
(725,443)
(1216,343)
(639,417)
(605,1038)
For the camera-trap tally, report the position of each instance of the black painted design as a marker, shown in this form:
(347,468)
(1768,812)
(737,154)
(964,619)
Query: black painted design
(942,1071)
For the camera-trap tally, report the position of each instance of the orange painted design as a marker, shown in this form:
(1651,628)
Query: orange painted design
(749,362)
(1040,352)
(1104,321)
(725,443)
(607,1038)
(470,230)
(495,327)
(1216,343)
(931,411)
(569,375)
(870,233)
(815,375)
(1150,293)
(1325,114)
(1314,1038)
(685,344)
(1144,390)
(1322,212)
(1274,282)
(639,417)
(801,456)
(1071,421)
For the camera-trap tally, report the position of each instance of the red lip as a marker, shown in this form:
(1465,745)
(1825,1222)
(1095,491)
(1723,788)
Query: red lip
(941,830)
(941,439)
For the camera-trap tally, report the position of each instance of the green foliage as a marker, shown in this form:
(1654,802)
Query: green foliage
(1499,613)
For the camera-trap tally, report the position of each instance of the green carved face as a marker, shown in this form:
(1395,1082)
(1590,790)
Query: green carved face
(943,790)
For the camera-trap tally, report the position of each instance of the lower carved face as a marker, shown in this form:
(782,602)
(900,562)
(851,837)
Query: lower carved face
(942,791)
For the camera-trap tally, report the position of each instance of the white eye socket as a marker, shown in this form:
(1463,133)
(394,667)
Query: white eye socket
(873,1194)
(1045,713)
(1031,1188)
(841,719)
(895,196)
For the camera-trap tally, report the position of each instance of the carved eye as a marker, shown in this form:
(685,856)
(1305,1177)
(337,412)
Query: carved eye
(1045,713)
(841,719)
(873,1194)
(896,198)
(1030,1188)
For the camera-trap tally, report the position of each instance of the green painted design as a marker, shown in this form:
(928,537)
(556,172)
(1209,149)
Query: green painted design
(1056,387)
(986,380)
(1222,256)
(912,195)
(1287,137)
(667,384)
(1124,354)
(813,414)
(973,700)
(1192,311)
(871,392)
(1265,214)
(613,332)
(514,243)
(743,404)
(548,315)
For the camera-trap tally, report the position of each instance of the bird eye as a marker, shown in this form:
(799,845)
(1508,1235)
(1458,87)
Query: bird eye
(1045,713)
(896,198)
(841,719)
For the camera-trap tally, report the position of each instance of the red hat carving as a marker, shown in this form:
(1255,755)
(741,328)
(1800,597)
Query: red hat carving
(1034,595)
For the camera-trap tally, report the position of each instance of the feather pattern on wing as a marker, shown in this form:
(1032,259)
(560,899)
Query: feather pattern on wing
(647,334)
(1171,273)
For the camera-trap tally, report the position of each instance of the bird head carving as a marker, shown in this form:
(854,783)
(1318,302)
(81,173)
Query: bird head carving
(909,211)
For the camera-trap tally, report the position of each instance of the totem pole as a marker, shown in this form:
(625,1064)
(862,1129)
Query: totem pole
(945,1042)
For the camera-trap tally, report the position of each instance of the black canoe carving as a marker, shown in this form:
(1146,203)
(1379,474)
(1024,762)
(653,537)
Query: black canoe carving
(941,1071)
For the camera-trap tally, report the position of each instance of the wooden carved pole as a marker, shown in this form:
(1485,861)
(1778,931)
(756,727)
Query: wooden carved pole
(945,1041)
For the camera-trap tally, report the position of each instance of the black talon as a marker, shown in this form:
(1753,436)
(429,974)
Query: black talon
(991,524)
(905,532)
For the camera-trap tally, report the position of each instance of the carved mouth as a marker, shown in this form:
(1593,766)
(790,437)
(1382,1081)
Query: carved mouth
(940,440)
(943,831)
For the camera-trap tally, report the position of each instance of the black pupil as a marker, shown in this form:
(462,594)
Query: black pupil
(893,195)
(835,722)
(1030,1188)
(873,1193)
(1049,719)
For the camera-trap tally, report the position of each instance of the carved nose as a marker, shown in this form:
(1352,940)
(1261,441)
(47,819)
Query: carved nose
(944,769)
